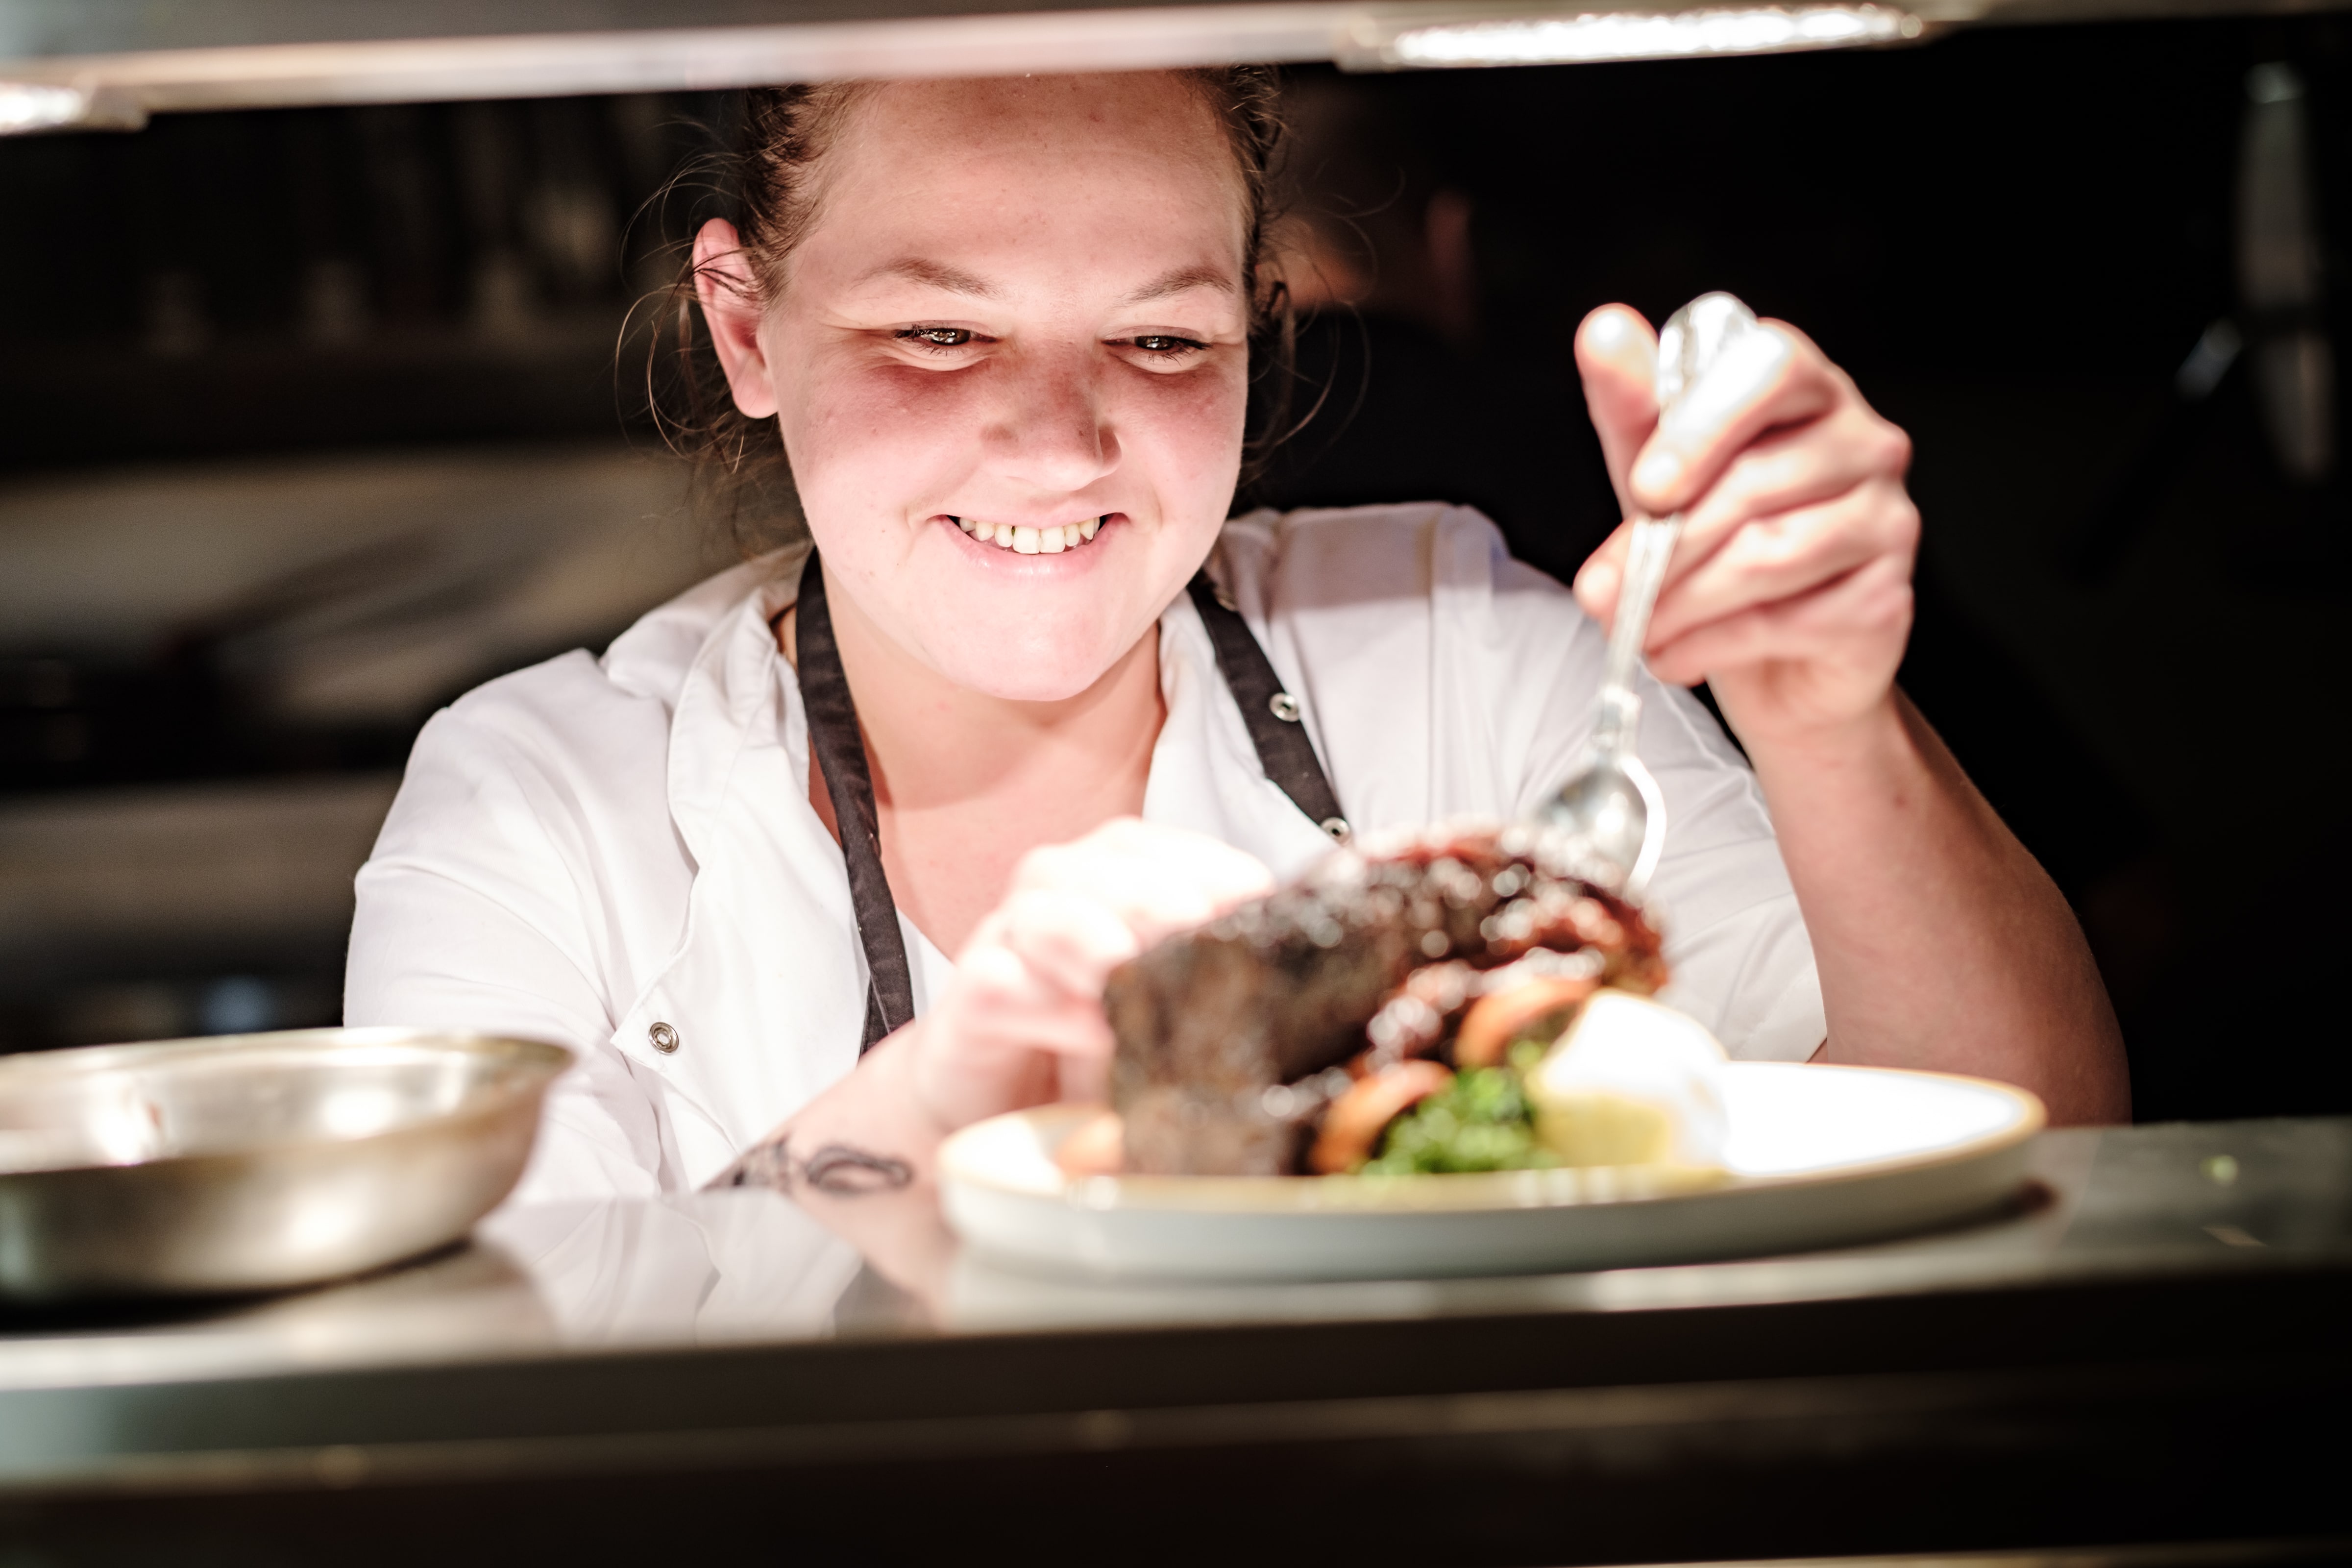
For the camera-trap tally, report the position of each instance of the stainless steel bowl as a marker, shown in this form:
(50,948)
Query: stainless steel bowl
(253,1161)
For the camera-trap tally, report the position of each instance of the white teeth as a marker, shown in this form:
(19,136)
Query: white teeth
(1031,541)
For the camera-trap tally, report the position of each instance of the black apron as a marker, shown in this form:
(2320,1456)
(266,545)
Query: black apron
(1271,713)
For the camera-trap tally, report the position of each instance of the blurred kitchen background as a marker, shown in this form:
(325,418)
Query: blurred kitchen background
(310,420)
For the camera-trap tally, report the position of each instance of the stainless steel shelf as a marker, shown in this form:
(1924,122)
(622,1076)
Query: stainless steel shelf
(94,63)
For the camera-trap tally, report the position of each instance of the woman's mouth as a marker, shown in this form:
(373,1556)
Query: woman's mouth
(1024,539)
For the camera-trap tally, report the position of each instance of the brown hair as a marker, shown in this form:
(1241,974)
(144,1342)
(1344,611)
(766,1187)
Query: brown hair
(766,183)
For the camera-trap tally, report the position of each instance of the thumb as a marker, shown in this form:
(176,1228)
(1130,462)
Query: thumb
(1617,355)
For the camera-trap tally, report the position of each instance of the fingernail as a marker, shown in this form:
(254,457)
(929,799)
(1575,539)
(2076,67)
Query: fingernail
(1610,331)
(1658,471)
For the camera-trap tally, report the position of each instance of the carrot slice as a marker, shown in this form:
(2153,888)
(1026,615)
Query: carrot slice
(1495,1021)
(1354,1125)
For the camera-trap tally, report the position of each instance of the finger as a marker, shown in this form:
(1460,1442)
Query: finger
(999,1000)
(1617,357)
(1153,897)
(1868,609)
(1604,571)
(1782,470)
(1203,878)
(1085,1080)
(1071,940)
(1157,878)
(1783,556)
(1766,379)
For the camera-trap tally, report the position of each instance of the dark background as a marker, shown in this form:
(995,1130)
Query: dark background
(2010,238)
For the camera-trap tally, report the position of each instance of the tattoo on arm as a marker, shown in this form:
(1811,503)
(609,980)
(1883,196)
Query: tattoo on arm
(848,1172)
(841,1170)
(767,1164)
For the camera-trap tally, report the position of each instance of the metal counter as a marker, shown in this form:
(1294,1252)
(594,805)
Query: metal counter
(2154,1350)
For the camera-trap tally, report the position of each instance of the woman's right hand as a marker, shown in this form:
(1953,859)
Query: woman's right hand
(1021,1023)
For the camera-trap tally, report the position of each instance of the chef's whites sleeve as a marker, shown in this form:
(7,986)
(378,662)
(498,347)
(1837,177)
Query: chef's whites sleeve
(473,914)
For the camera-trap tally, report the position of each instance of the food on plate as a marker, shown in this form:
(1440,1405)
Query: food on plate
(1538,1009)
(1383,1015)
(1353,1126)
(1482,1120)
(1096,1148)
(1629,1083)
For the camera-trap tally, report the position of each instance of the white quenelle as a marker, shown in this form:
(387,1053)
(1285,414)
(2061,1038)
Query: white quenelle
(1632,1082)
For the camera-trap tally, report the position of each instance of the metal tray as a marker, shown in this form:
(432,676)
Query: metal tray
(254,1161)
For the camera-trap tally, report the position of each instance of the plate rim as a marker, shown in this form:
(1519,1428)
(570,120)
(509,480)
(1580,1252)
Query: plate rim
(1290,1196)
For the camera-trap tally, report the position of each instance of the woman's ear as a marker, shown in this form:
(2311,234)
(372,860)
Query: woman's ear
(731,303)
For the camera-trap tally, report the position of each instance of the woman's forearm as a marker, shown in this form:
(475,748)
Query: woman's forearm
(858,1159)
(1941,942)
(868,1132)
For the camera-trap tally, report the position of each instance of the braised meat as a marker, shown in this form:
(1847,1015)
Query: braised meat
(1233,1039)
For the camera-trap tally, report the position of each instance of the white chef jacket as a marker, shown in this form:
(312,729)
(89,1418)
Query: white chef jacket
(620,855)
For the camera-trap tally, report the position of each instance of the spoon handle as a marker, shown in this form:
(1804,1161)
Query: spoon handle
(1694,341)
(1653,546)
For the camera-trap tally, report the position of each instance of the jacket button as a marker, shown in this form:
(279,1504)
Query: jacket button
(1284,706)
(1337,827)
(664,1038)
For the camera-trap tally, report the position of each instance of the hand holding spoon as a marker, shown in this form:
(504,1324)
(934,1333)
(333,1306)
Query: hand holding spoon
(1610,810)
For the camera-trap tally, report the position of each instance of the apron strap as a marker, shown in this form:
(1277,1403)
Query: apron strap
(840,749)
(1284,753)
(1272,714)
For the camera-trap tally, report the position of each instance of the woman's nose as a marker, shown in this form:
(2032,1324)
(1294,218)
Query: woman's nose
(1054,431)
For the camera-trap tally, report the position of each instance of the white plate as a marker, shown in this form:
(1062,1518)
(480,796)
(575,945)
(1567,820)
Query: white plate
(1818,1156)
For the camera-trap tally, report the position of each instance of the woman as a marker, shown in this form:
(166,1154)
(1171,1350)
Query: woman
(1004,329)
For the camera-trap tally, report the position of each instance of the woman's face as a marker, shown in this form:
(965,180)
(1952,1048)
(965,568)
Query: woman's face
(1015,324)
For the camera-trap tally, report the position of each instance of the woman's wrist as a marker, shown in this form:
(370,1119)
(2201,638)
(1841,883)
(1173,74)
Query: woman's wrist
(895,1089)
(1876,741)
(874,1120)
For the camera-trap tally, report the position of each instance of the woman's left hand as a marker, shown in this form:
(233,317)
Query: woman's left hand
(1789,593)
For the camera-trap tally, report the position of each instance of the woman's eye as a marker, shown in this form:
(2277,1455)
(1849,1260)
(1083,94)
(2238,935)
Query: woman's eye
(936,339)
(1166,344)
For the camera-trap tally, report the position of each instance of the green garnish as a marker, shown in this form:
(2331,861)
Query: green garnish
(1480,1122)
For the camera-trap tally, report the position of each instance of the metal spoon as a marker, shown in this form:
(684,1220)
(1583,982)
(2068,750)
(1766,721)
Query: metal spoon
(1610,811)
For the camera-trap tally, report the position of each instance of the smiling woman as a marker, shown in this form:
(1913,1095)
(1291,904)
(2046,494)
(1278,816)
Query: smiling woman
(1101,379)
(774,179)
(1031,698)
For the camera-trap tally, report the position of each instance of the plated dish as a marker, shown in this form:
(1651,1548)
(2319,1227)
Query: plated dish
(1442,1053)
(1814,1157)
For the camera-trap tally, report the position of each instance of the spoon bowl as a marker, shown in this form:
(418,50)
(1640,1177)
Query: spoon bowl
(1613,808)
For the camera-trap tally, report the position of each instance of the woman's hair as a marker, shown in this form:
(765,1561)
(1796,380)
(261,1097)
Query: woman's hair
(768,182)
